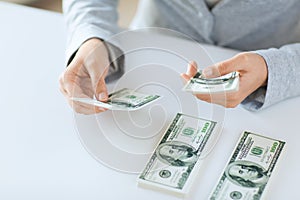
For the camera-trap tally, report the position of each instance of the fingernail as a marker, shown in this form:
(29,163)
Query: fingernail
(101,109)
(102,96)
(207,72)
(188,69)
(194,64)
(183,78)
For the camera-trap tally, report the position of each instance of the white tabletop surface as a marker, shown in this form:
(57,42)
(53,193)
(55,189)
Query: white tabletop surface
(47,153)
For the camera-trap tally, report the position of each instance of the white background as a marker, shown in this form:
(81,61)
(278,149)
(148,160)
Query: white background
(40,151)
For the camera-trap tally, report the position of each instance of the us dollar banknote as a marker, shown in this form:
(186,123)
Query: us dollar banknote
(174,163)
(249,169)
(201,85)
(124,99)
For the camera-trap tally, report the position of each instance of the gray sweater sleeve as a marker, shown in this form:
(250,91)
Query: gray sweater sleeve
(93,19)
(283,77)
(88,19)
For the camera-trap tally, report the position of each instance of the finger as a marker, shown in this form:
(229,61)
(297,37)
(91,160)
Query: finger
(67,81)
(101,90)
(73,84)
(99,85)
(97,65)
(61,86)
(209,99)
(227,100)
(223,68)
(73,90)
(192,69)
(63,91)
(185,77)
(77,106)
(85,108)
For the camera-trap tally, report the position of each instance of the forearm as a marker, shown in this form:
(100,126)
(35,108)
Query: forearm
(87,19)
(283,77)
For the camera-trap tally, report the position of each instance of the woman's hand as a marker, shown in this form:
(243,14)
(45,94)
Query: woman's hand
(85,76)
(253,74)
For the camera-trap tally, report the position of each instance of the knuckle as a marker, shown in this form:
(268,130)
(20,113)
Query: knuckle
(62,90)
(77,108)
(244,57)
(77,61)
(221,67)
(232,100)
(204,97)
(61,79)
(230,105)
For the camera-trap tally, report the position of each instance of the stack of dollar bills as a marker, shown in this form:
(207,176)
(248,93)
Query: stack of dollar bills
(123,100)
(175,161)
(200,85)
(249,169)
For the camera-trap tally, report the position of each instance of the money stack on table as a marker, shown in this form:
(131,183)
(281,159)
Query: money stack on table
(249,169)
(176,160)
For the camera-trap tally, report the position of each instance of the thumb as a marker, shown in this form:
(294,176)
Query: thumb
(101,90)
(221,68)
(192,69)
(99,87)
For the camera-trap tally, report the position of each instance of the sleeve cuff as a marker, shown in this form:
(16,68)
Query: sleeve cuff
(266,96)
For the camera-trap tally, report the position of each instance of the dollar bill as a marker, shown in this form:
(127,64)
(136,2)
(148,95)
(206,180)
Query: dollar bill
(249,168)
(124,99)
(200,85)
(175,160)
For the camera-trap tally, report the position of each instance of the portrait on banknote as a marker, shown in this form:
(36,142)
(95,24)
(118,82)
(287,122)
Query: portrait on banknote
(246,174)
(177,153)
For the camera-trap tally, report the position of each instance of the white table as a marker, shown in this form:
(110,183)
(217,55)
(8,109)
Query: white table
(40,151)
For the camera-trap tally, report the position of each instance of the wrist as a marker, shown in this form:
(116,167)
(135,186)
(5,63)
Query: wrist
(264,70)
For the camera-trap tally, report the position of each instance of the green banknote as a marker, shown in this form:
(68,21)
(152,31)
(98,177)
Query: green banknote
(249,169)
(175,160)
(124,99)
(200,85)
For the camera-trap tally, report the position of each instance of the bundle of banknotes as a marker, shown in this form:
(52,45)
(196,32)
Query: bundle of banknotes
(249,169)
(123,100)
(131,100)
(201,85)
(175,161)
